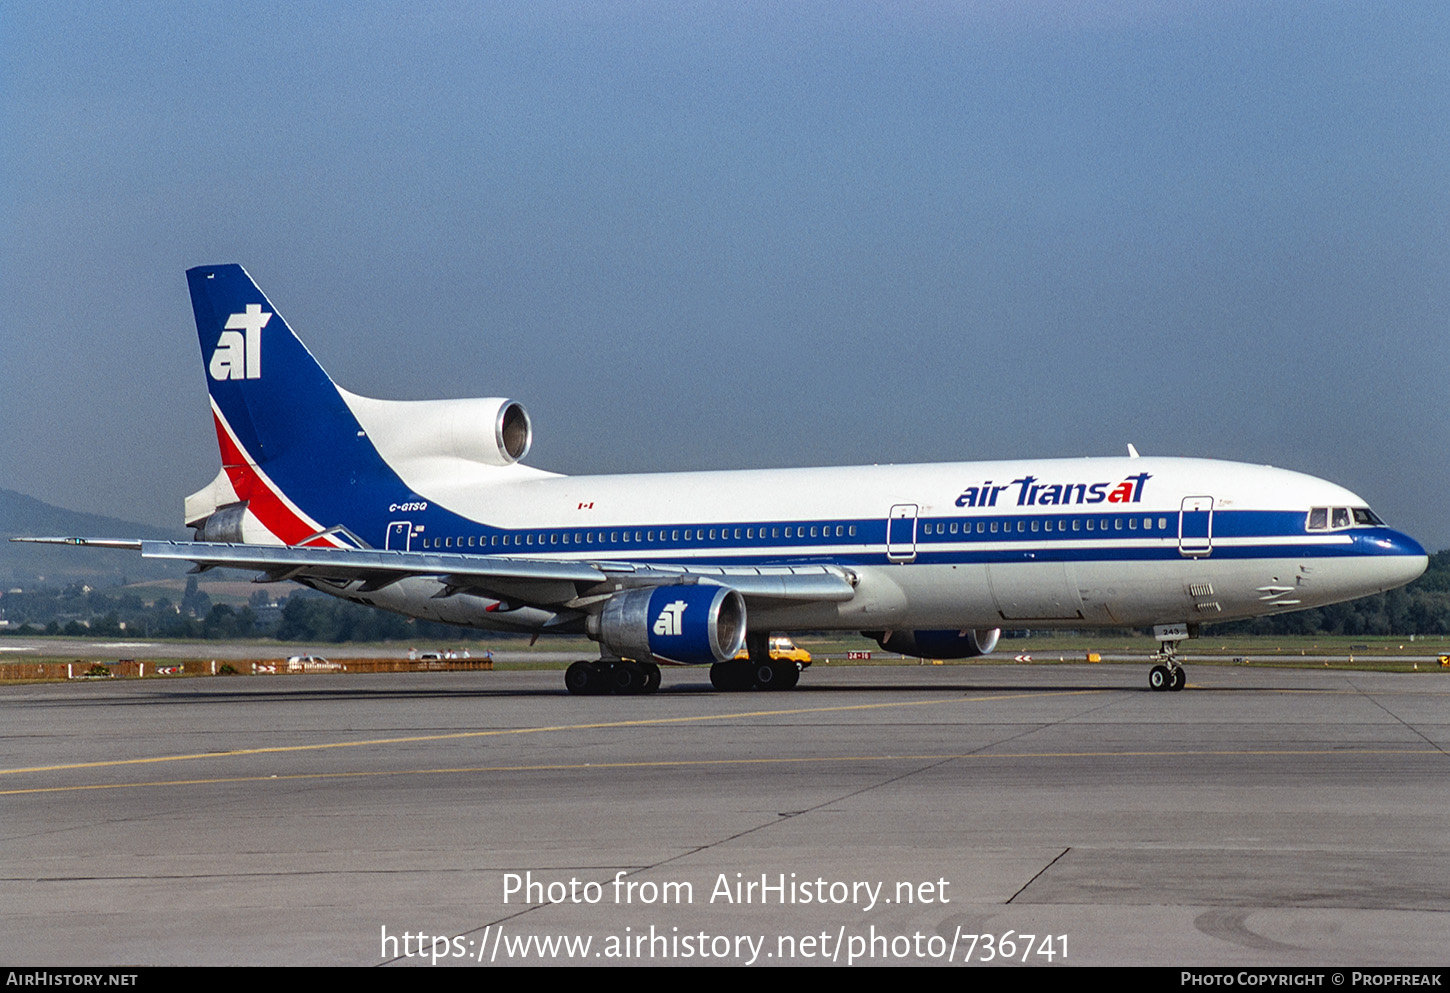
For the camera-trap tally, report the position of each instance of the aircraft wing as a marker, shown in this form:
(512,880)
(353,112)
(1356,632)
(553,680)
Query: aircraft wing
(544,582)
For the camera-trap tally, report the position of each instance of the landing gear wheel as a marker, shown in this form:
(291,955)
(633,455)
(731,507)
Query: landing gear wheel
(1159,678)
(582,679)
(731,677)
(767,675)
(651,677)
(787,674)
(1179,679)
(627,678)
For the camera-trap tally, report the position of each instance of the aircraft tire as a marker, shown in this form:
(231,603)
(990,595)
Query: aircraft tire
(788,673)
(1159,678)
(1179,679)
(651,677)
(581,679)
(627,679)
(731,677)
(765,675)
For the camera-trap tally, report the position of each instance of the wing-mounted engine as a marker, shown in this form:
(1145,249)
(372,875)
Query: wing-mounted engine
(966,644)
(690,624)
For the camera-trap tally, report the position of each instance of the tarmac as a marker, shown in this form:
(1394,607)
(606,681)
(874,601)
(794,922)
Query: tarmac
(978,815)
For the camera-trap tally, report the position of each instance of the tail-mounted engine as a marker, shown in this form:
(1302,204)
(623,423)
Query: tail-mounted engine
(694,625)
(223,524)
(487,430)
(938,644)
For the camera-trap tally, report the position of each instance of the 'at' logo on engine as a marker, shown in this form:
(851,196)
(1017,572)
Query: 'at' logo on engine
(238,352)
(671,620)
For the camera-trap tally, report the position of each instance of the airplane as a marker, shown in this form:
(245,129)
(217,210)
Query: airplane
(425,508)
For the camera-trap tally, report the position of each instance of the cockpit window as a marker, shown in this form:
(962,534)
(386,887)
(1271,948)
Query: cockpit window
(1336,518)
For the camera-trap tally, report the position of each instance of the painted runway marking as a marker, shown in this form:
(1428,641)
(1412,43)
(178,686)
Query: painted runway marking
(458,735)
(697,763)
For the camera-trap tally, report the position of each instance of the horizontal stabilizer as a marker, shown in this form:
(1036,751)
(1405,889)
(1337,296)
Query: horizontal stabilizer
(130,544)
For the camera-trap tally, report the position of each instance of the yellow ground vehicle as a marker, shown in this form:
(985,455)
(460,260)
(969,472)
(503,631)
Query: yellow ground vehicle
(782,647)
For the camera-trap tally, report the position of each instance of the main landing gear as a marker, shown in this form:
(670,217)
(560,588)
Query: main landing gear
(758,672)
(743,674)
(585,678)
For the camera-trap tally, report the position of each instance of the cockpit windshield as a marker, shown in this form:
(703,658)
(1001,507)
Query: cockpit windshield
(1335,518)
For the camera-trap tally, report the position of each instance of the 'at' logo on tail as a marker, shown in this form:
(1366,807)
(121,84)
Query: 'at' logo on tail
(238,353)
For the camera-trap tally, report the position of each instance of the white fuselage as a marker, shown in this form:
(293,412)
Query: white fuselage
(1048,543)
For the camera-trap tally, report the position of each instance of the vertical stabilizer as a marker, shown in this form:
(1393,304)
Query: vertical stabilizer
(290,447)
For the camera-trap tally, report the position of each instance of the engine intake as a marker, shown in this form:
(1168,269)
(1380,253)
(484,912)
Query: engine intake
(693,625)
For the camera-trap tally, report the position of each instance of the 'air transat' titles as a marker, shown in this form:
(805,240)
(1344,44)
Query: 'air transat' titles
(1031,493)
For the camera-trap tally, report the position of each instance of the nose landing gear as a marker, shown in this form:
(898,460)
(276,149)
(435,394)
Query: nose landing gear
(1171,677)
(1168,675)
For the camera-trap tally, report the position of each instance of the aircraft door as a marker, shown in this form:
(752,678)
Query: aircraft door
(901,533)
(400,536)
(1195,526)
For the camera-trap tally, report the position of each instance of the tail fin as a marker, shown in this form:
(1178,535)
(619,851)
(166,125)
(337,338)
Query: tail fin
(292,451)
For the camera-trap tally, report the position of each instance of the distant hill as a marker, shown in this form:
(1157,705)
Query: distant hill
(26,565)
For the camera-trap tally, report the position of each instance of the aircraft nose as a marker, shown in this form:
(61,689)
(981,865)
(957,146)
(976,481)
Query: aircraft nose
(1406,558)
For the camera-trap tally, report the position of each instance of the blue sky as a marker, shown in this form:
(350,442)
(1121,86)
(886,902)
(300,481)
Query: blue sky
(701,235)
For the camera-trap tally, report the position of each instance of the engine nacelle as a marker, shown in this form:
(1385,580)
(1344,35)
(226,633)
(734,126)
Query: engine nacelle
(226,524)
(694,625)
(939,644)
(487,430)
